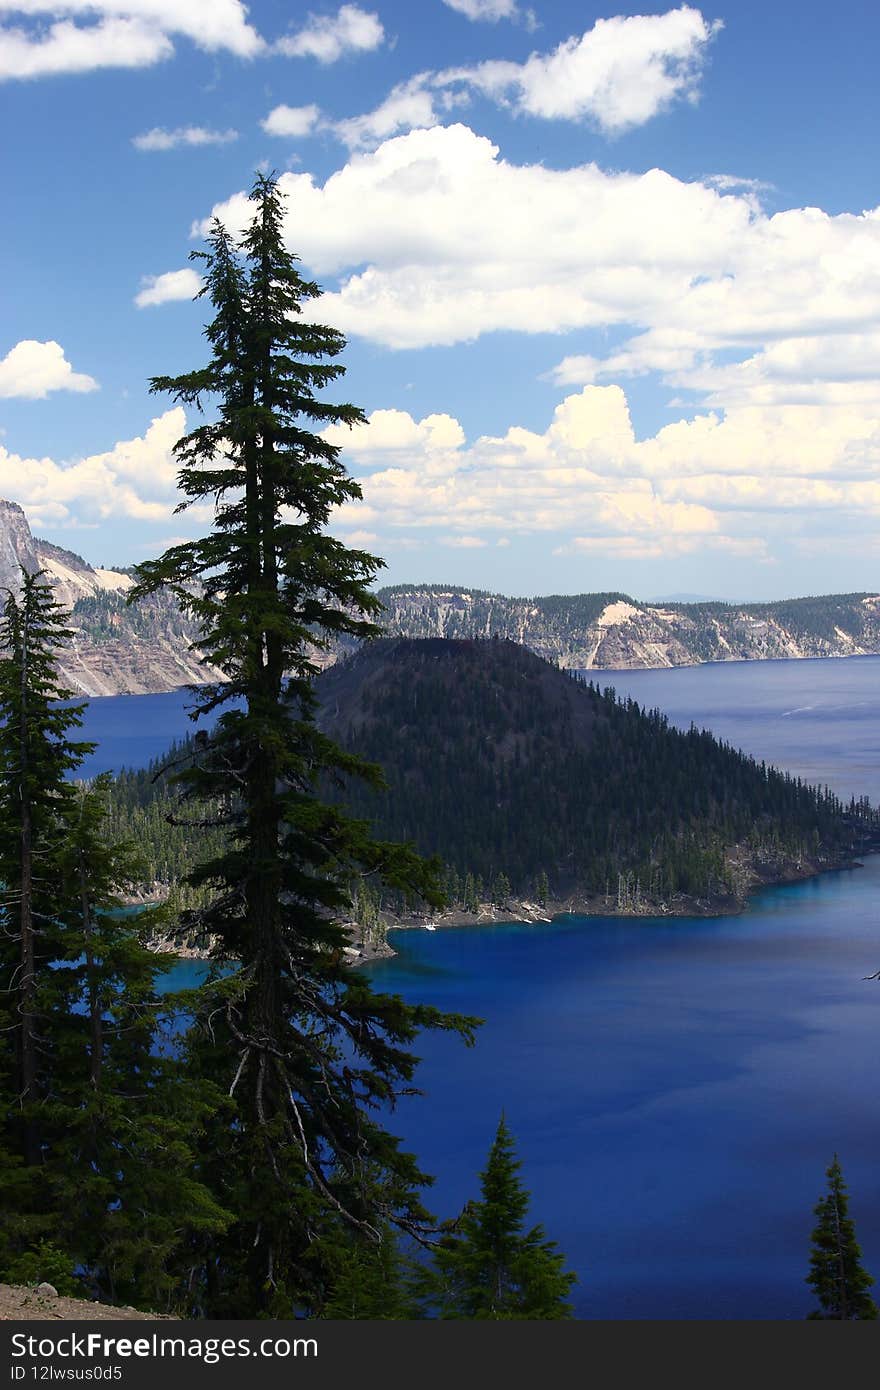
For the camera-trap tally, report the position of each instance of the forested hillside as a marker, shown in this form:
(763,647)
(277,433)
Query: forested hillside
(524,779)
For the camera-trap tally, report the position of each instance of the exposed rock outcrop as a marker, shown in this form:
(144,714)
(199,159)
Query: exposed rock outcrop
(148,648)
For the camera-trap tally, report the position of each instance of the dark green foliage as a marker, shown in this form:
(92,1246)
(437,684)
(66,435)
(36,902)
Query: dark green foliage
(371,1282)
(491,1267)
(837,1276)
(144,807)
(96,1159)
(47,1264)
(306,1050)
(504,766)
(36,754)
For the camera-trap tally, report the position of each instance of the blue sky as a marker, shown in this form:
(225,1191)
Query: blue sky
(610,275)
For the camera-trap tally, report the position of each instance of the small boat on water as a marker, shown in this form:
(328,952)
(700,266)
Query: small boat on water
(428,927)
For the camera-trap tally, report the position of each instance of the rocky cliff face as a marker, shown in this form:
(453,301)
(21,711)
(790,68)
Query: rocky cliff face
(146,648)
(116,650)
(16,546)
(613,631)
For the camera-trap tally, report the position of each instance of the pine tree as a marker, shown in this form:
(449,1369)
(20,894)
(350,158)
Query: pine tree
(491,1267)
(96,1160)
(124,1114)
(836,1276)
(370,1282)
(306,1049)
(36,755)
(501,890)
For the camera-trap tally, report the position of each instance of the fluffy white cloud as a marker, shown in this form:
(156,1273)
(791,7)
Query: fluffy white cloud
(162,289)
(746,485)
(32,369)
(742,485)
(327,38)
(408,106)
(136,478)
(436,240)
(68,48)
(456,241)
(294,121)
(160,139)
(619,74)
(390,432)
(70,36)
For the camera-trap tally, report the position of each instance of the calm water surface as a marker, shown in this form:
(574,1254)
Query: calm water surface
(676,1089)
(820,719)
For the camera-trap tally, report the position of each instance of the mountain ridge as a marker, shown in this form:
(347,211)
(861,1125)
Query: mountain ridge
(146,649)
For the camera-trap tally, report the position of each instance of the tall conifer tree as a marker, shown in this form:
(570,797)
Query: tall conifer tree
(304,1046)
(837,1276)
(36,755)
(97,1166)
(491,1267)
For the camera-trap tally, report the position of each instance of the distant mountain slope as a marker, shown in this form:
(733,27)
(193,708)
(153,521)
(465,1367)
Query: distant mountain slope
(614,631)
(122,649)
(117,649)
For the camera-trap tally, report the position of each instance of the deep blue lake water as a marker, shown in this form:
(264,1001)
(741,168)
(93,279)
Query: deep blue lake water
(676,1089)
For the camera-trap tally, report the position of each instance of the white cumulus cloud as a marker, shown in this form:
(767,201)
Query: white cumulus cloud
(162,289)
(434,239)
(746,484)
(69,36)
(328,37)
(137,478)
(293,121)
(619,74)
(32,369)
(408,106)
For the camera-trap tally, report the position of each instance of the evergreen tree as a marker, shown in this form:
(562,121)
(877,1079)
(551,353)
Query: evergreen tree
(96,1160)
(36,755)
(306,1049)
(122,1161)
(837,1276)
(370,1282)
(491,1267)
(501,890)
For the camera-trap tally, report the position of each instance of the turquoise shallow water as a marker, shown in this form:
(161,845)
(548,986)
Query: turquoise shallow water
(676,1089)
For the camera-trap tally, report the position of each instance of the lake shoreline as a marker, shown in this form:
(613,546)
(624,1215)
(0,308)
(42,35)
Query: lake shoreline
(523,911)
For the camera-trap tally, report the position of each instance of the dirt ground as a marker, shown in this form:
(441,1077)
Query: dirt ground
(20,1304)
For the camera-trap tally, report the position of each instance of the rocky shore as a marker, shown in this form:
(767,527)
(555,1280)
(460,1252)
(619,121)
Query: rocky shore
(364,948)
(752,878)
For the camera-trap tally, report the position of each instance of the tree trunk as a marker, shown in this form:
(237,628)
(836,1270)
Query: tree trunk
(27,985)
